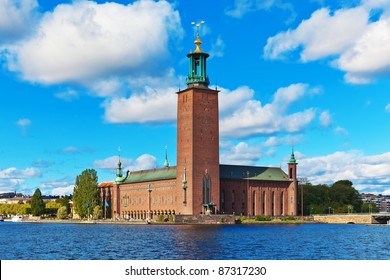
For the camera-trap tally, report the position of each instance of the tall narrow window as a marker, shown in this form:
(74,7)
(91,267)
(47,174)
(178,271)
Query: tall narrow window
(233,206)
(253,203)
(281,204)
(263,203)
(273,204)
(243,203)
(206,188)
(223,201)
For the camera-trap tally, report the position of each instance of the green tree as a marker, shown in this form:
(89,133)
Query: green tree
(62,213)
(85,193)
(37,204)
(64,201)
(97,212)
(366,208)
(342,194)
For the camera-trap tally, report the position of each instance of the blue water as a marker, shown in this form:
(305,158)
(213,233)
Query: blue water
(30,241)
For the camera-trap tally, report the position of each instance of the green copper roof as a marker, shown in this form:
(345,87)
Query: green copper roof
(151,175)
(252,172)
(292,159)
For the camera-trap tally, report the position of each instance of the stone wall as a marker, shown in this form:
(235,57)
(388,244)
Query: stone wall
(343,219)
(204,219)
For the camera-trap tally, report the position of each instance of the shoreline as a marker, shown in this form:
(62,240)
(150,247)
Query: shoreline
(141,222)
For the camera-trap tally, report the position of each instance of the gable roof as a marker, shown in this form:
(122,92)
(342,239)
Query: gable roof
(156,174)
(255,173)
(238,172)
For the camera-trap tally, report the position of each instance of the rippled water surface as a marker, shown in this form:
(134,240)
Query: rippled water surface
(268,242)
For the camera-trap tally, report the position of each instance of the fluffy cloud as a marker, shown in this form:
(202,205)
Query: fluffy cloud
(14,173)
(240,114)
(250,117)
(57,187)
(321,35)
(325,119)
(368,173)
(11,185)
(153,105)
(92,40)
(357,45)
(143,162)
(242,153)
(17,17)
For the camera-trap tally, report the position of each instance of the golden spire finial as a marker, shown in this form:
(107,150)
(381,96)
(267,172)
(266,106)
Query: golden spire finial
(198,42)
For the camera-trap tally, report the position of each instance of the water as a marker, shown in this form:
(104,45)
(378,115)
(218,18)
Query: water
(30,241)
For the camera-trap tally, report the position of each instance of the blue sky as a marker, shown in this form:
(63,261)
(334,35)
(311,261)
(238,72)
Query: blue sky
(78,79)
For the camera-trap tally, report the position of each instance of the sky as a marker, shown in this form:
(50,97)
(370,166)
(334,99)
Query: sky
(84,81)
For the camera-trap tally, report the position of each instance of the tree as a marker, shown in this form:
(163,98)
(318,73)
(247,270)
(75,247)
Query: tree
(97,212)
(64,201)
(85,193)
(37,204)
(369,207)
(61,213)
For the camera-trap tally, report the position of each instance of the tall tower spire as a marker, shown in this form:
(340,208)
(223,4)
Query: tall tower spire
(119,173)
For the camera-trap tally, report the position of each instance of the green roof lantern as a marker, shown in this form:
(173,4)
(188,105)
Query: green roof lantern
(197,76)
(292,158)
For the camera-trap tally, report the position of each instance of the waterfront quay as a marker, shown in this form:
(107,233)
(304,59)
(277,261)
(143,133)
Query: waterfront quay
(377,218)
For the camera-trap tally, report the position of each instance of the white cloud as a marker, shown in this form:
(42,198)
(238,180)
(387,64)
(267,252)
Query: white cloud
(14,173)
(61,191)
(387,108)
(242,7)
(250,117)
(325,119)
(217,48)
(366,172)
(240,114)
(355,44)
(93,39)
(153,105)
(11,185)
(321,35)
(23,122)
(111,162)
(17,18)
(143,162)
(341,131)
(57,187)
(242,153)
(67,95)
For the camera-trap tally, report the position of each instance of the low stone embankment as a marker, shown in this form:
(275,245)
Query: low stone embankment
(343,219)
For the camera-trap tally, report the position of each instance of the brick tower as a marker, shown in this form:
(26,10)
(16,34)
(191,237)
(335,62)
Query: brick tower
(293,189)
(197,140)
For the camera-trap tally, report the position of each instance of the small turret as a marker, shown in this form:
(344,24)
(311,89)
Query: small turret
(166,162)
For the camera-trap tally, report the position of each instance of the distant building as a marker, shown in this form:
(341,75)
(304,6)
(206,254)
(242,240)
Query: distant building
(199,183)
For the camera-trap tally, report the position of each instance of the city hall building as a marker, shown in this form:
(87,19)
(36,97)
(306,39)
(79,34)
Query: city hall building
(199,184)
